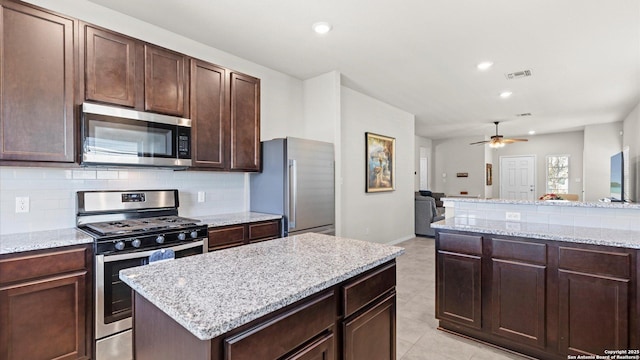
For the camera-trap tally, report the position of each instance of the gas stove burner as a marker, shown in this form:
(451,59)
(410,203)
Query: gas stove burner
(141,225)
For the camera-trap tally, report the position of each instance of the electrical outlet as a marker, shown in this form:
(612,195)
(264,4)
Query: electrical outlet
(201,196)
(366,231)
(514,216)
(22,204)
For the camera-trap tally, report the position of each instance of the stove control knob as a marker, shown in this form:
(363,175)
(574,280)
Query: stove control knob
(194,234)
(160,239)
(119,245)
(182,236)
(136,243)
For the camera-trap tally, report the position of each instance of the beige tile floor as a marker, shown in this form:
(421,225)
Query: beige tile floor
(417,334)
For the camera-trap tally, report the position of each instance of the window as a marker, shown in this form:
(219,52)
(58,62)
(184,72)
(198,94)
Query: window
(558,174)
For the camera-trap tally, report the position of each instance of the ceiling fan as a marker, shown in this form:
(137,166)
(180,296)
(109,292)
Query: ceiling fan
(498,141)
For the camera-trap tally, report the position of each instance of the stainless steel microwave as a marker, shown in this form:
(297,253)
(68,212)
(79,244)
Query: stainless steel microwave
(117,136)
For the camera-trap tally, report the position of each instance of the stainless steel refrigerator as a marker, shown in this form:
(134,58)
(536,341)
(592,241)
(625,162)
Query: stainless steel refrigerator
(297,181)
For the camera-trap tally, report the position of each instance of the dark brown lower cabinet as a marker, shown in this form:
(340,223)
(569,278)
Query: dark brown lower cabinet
(223,237)
(44,306)
(594,301)
(318,327)
(371,334)
(546,299)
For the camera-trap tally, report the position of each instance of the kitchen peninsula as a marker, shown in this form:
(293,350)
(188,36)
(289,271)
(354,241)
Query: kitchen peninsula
(295,297)
(545,279)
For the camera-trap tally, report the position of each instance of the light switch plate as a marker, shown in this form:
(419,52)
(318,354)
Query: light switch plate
(514,216)
(201,196)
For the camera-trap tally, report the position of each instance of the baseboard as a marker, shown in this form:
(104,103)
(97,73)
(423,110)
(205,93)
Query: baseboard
(397,241)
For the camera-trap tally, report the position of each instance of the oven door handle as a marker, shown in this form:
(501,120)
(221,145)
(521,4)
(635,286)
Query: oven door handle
(143,254)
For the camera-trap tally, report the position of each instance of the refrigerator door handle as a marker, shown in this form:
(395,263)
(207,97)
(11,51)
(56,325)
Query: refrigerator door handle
(293,193)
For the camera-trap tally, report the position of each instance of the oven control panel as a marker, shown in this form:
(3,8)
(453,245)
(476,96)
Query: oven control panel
(133,197)
(149,241)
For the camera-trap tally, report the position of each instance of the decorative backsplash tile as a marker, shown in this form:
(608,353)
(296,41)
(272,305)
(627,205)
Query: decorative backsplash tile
(52,192)
(586,215)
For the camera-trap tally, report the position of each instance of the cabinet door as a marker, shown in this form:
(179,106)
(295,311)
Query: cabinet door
(220,238)
(37,80)
(372,334)
(209,116)
(594,288)
(164,81)
(593,313)
(458,288)
(245,122)
(44,319)
(110,67)
(264,231)
(518,302)
(321,349)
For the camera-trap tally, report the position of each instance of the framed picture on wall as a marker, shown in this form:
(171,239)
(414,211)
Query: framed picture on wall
(381,162)
(489,174)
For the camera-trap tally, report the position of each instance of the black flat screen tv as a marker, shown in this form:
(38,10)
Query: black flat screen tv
(617,177)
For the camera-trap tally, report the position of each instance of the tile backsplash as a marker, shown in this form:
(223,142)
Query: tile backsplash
(601,217)
(52,192)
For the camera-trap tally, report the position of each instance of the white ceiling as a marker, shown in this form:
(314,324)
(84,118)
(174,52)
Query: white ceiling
(421,55)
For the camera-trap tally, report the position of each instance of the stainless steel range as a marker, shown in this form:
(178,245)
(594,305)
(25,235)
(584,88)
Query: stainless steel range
(130,228)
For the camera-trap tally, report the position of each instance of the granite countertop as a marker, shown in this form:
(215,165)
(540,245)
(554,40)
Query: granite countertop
(235,218)
(48,239)
(37,240)
(577,234)
(590,204)
(213,293)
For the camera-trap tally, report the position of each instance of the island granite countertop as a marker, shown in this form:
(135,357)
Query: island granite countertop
(576,234)
(213,293)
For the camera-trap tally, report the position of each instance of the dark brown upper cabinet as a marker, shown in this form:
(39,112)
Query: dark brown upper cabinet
(209,119)
(124,71)
(225,113)
(110,69)
(245,122)
(164,81)
(37,75)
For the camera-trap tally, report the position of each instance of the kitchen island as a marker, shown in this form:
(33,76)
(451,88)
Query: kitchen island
(295,297)
(549,280)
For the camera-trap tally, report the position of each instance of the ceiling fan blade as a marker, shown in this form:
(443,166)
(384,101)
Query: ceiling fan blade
(480,142)
(509,141)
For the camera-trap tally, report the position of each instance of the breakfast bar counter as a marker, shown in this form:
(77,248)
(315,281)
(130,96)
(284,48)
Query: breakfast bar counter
(284,294)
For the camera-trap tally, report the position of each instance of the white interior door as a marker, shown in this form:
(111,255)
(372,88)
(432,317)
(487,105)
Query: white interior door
(517,177)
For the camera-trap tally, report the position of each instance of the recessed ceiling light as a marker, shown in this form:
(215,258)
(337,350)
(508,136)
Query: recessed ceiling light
(485,65)
(505,94)
(321,27)
(532,132)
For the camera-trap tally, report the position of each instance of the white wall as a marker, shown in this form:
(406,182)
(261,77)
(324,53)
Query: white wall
(427,144)
(454,156)
(383,217)
(567,143)
(631,138)
(321,97)
(600,143)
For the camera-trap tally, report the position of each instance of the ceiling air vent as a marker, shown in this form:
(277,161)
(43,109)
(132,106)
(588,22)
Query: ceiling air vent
(518,74)
(523,114)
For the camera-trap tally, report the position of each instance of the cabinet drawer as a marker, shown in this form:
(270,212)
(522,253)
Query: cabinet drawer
(226,237)
(519,250)
(465,244)
(367,288)
(285,333)
(264,230)
(595,262)
(26,267)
